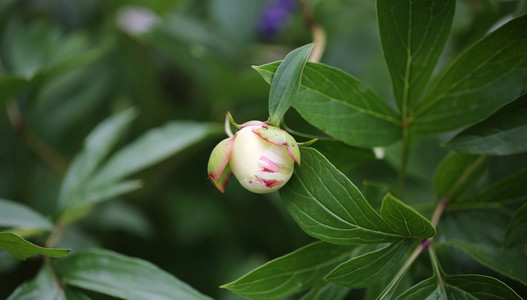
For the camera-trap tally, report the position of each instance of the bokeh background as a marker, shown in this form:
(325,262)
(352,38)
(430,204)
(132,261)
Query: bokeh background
(68,64)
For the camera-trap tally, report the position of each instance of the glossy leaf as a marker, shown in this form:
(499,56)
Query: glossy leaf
(374,192)
(42,287)
(97,145)
(327,291)
(292,273)
(151,148)
(503,133)
(486,77)
(367,269)
(509,189)
(517,231)
(405,220)
(22,249)
(17,215)
(457,173)
(336,103)
(120,276)
(413,33)
(286,83)
(327,206)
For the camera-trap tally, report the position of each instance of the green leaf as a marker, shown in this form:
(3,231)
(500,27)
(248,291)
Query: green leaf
(17,215)
(97,145)
(327,291)
(120,276)
(327,206)
(367,269)
(84,201)
(74,294)
(457,173)
(517,231)
(460,287)
(343,156)
(413,33)
(336,103)
(405,220)
(510,189)
(42,287)
(151,148)
(426,289)
(487,76)
(478,286)
(374,192)
(286,83)
(503,133)
(22,249)
(292,273)
(510,262)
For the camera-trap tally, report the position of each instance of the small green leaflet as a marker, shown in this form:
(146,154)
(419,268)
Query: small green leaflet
(404,220)
(22,249)
(286,83)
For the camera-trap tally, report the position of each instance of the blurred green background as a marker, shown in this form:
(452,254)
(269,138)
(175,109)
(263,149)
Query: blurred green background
(68,64)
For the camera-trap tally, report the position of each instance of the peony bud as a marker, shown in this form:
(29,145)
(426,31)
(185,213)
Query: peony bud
(260,156)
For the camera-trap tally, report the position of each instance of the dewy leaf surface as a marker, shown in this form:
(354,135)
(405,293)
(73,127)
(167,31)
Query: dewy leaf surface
(336,103)
(120,276)
(413,33)
(17,215)
(490,74)
(503,133)
(326,205)
(292,273)
(367,269)
(405,220)
(517,231)
(22,249)
(286,83)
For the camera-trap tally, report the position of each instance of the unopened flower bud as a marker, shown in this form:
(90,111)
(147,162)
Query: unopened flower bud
(260,156)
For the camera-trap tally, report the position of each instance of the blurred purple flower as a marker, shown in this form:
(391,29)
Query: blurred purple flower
(275,15)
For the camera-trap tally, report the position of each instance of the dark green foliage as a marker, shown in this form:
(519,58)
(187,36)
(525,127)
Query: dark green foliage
(417,188)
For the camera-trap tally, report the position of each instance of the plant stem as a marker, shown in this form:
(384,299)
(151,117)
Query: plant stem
(318,34)
(402,271)
(437,268)
(404,160)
